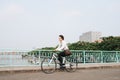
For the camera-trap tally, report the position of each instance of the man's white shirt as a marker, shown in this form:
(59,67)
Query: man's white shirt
(62,46)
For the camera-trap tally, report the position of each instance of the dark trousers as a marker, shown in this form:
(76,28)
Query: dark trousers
(60,58)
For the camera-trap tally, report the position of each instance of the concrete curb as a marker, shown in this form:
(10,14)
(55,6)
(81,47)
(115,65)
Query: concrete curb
(99,65)
(10,69)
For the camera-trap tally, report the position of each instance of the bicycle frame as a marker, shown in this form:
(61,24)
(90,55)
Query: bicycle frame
(53,57)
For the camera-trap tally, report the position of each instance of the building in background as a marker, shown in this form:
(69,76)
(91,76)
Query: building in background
(91,36)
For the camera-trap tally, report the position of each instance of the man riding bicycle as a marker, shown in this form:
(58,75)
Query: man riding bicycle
(62,47)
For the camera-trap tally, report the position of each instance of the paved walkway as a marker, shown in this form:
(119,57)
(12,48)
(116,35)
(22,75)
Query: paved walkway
(84,74)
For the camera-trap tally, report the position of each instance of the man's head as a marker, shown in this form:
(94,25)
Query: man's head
(61,37)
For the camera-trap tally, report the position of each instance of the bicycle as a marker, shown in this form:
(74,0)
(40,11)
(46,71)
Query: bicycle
(49,64)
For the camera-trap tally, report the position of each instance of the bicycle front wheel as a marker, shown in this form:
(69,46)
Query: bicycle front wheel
(48,65)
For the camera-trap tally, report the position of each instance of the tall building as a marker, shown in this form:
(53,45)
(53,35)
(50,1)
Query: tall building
(90,36)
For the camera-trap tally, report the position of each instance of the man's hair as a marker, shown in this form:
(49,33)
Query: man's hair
(61,37)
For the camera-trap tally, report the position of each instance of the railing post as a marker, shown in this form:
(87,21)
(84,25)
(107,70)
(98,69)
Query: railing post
(117,57)
(84,57)
(39,57)
(101,57)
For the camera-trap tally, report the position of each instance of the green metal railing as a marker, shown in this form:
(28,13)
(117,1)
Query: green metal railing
(90,56)
(34,58)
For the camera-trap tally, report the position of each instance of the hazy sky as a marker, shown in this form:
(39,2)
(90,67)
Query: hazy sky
(28,24)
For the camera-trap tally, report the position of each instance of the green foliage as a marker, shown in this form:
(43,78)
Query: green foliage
(83,46)
(48,48)
(108,43)
(36,52)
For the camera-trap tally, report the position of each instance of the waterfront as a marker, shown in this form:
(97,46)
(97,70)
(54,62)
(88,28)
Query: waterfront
(12,60)
(15,59)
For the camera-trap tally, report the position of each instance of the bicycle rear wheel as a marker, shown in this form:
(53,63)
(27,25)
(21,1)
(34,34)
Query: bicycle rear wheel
(71,64)
(48,65)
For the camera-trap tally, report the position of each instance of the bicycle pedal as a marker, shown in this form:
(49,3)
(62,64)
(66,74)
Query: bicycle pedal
(62,69)
(71,65)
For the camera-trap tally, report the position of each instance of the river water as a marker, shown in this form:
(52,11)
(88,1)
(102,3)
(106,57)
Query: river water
(13,60)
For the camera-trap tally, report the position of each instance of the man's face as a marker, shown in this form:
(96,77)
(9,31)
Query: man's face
(60,39)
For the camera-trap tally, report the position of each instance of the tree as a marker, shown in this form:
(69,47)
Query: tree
(110,43)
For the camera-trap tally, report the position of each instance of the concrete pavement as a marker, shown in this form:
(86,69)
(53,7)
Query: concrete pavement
(84,74)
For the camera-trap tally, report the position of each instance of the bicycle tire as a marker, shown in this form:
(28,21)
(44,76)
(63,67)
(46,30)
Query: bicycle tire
(71,65)
(48,68)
